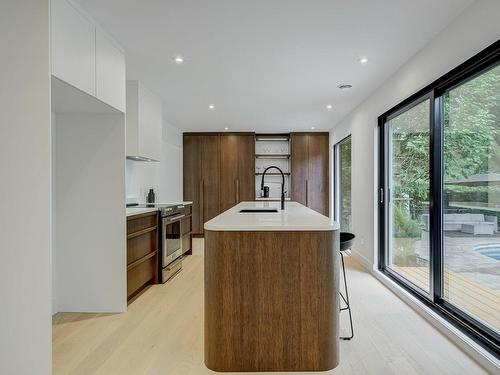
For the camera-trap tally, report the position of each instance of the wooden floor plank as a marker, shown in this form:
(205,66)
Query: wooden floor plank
(162,333)
(475,298)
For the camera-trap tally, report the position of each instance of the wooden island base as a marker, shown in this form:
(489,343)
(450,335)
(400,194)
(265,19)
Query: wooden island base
(271,300)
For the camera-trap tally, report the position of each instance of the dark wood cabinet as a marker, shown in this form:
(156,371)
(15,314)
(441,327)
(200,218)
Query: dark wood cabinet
(187,231)
(210,172)
(309,162)
(201,177)
(246,167)
(237,178)
(142,252)
(299,168)
(219,172)
(193,178)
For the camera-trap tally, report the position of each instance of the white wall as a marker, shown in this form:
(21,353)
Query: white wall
(90,212)
(476,28)
(164,176)
(25,313)
(53,251)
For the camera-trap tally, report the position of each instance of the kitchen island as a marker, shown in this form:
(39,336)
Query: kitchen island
(271,289)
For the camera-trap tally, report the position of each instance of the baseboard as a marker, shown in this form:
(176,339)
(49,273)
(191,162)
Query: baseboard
(361,259)
(488,361)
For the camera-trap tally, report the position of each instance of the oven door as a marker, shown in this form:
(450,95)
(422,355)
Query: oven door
(172,239)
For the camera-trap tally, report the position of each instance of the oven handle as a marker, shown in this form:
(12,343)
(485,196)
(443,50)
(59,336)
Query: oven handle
(175,218)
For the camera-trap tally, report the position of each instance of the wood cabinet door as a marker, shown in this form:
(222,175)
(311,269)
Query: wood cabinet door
(299,167)
(229,154)
(245,185)
(210,166)
(193,178)
(318,183)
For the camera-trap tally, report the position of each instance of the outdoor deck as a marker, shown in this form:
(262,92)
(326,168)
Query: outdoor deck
(479,300)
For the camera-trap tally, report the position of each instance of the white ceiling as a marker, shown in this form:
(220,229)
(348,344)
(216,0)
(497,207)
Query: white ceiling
(267,65)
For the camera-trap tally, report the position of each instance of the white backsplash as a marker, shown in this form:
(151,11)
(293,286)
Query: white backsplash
(165,176)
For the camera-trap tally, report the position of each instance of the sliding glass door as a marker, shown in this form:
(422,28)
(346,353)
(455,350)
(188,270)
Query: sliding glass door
(439,203)
(407,163)
(471,201)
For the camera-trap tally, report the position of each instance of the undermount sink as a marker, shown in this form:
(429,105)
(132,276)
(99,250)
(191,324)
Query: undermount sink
(258,210)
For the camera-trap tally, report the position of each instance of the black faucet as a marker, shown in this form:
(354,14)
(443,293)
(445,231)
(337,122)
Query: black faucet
(282,184)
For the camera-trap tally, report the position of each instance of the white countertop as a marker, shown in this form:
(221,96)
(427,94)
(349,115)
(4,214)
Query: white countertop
(271,199)
(295,217)
(185,203)
(131,211)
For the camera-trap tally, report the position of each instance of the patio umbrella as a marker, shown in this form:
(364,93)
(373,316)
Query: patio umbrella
(480,179)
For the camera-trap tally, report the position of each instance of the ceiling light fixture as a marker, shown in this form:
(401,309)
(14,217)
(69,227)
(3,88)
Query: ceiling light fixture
(226,128)
(211,107)
(344,86)
(312,128)
(363,60)
(179,60)
(329,106)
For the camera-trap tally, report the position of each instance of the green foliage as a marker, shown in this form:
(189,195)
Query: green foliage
(471,138)
(345,180)
(404,225)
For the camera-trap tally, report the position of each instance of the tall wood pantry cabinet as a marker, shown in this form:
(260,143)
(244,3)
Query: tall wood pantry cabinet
(309,170)
(219,172)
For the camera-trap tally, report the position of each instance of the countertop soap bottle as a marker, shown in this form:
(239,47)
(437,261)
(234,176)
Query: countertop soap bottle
(150,198)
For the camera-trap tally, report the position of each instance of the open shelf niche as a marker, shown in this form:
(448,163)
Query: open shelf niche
(272,149)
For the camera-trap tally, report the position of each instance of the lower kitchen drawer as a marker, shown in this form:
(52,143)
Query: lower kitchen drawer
(141,276)
(186,243)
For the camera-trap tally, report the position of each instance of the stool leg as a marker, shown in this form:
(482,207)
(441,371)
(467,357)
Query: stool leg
(346,300)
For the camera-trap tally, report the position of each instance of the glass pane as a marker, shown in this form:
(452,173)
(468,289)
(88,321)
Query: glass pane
(345,186)
(472,197)
(408,209)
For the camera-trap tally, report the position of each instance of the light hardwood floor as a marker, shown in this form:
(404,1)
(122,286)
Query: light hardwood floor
(162,333)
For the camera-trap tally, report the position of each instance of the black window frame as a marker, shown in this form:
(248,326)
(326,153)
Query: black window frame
(484,60)
(337,193)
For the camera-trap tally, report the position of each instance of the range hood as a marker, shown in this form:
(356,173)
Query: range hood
(140,158)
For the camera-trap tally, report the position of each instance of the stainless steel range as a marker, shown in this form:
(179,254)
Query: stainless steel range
(171,241)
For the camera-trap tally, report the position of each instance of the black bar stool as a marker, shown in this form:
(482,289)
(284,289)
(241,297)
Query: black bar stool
(346,241)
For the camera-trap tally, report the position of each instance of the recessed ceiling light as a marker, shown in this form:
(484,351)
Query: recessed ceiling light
(344,86)
(363,60)
(179,60)
(329,106)
(226,128)
(211,107)
(312,128)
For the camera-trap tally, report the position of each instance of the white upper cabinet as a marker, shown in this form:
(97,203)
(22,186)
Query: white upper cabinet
(73,46)
(144,122)
(84,56)
(110,71)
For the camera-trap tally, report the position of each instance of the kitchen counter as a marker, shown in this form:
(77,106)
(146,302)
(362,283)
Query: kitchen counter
(295,217)
(174,203)
(277,276)
(131,211)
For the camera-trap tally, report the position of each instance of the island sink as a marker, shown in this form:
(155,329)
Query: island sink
(258,210)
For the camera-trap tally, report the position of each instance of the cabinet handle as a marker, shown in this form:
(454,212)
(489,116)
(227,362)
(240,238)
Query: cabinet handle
(307,192)
(237,191)
(202,203)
